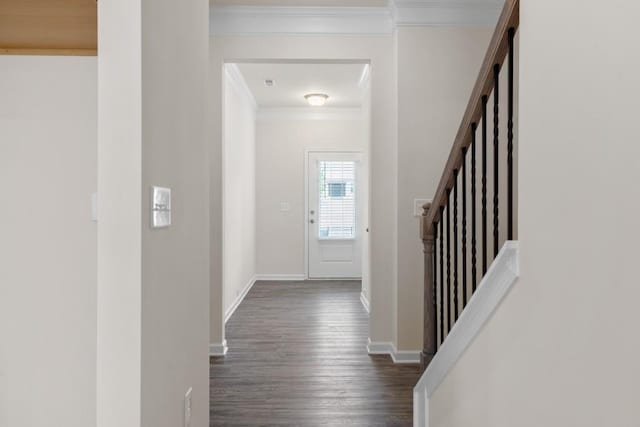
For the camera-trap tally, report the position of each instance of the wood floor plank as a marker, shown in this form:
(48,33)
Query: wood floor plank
(297,357)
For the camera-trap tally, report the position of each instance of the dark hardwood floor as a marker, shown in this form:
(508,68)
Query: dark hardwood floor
(297,357)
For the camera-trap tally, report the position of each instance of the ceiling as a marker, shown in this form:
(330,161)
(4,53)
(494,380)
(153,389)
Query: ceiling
(310,3)
(330,17)
(293,81)
(355,3)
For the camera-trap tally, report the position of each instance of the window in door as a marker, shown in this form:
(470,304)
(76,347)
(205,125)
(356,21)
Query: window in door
(337,203)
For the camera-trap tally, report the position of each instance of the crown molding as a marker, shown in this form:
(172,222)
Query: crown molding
(299,20)
(303,20)
(430,13)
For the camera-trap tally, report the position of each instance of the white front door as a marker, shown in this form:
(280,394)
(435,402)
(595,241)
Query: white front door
(334,215)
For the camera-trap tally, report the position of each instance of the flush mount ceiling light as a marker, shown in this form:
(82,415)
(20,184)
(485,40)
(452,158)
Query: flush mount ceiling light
(316,99)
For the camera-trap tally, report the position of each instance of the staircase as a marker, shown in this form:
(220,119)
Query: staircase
(469,230)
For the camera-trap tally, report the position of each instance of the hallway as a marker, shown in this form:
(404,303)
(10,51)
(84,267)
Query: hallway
(297,356)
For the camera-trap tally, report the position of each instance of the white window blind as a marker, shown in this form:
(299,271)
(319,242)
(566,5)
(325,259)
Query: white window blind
(337,202)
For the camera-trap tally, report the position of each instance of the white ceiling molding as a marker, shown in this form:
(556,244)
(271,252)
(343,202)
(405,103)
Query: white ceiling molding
(240,84)
(303,20)
(309,113)
(247,20)
(418,13)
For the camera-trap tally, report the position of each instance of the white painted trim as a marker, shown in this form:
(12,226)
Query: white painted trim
(309,113)
(365,77)
(299,20)
(502,275)
(218,349)
(437,13)
(365,302)
(389,348)
(240,84)
(281,277)
(379,347)
(405,356)
(305,171)
(229,312)
(303,20)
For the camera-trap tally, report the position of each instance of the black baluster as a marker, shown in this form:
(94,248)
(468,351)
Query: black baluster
(473,207)
(455,244)
(484,185)
(496,157)
(435,267)
(448,262)
(441,274)
(464,227)
(512,33)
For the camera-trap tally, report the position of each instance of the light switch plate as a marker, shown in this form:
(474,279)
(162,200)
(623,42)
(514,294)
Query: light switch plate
(417,206)
(160,207)
(285,207)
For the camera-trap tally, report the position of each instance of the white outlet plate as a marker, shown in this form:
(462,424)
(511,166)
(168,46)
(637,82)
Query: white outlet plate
(187,407)
(285,207)
(417,206)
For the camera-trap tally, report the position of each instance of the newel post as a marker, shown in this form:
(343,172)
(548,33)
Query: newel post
(430,337)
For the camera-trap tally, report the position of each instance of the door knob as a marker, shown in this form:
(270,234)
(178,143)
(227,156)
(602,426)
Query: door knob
(312,212)
(312,221)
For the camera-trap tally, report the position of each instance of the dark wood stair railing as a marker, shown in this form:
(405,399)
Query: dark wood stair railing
(435,230)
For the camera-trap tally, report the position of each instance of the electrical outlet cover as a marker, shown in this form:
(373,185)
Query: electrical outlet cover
(94,207)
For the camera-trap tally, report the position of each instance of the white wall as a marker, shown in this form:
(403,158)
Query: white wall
(437,68)
(377,49)
(175,261)
(421,79)
(48,146)
(562,349)
(239,180)
(152,283)
(281,145)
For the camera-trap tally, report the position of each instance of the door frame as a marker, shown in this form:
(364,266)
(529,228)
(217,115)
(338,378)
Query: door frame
(307,152)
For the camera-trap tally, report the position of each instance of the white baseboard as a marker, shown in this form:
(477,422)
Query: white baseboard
(238,300)
(405,356)
(218,349)
(379,347)
(398,356)
(493,288)
(365,302)
(281,277)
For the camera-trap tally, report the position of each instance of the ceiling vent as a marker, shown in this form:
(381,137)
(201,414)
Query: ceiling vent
(268,82)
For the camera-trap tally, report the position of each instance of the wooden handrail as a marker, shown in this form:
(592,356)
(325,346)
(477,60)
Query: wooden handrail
(496,54)
(500,52)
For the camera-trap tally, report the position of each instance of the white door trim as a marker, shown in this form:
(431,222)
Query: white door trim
(308,152)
